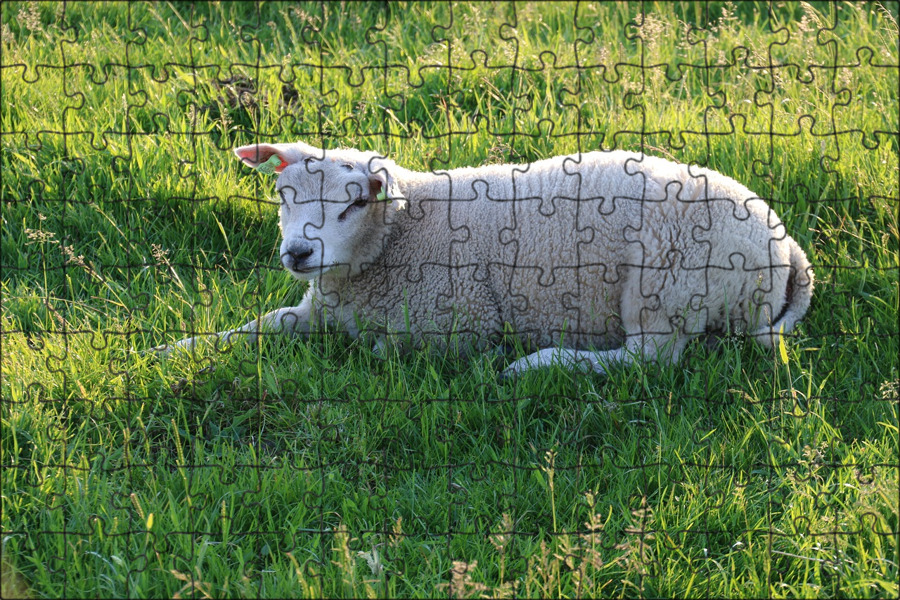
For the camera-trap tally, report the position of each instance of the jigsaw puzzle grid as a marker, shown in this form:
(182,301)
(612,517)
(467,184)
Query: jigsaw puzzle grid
(328,103)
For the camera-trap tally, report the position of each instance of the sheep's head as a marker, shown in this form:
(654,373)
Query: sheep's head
(336,205)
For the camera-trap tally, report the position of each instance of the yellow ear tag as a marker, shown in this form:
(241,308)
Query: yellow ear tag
(268,167)
(381,196)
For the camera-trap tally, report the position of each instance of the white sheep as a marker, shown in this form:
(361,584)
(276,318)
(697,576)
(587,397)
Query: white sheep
(598,258)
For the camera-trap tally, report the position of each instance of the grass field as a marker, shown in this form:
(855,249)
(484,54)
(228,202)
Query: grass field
(317,468)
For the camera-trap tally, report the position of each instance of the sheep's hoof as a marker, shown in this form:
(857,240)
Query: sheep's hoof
(166,350)
(516,368)
(161,351)
(506,375)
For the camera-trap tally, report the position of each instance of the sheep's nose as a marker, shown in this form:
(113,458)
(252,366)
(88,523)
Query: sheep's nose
(296,255)
(301,255)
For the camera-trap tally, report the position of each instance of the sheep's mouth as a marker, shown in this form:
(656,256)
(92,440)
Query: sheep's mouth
(308,272)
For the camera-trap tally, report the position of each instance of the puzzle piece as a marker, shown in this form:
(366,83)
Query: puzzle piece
(254,463)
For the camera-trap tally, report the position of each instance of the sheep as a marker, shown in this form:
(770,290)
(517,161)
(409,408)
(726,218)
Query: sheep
(598,258)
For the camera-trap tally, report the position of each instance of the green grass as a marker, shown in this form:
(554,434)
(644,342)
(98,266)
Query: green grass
(317,468)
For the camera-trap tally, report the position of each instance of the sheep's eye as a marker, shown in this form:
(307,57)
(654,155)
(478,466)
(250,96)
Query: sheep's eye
(355,206)
(347,166)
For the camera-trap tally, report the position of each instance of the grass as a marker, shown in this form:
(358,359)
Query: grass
(317,468)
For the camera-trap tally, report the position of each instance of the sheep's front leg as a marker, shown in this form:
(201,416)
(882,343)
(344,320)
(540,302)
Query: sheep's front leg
(290,320)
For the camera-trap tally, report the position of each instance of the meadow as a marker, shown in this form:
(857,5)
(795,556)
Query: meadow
(316,467)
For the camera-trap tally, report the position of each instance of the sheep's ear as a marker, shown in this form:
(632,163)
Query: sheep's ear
(255,155)
(258,154)
(382,185)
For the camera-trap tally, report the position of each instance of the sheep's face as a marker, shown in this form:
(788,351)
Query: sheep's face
(333,215)
(336,205)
